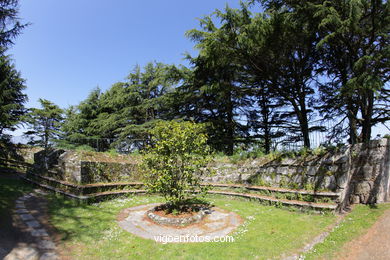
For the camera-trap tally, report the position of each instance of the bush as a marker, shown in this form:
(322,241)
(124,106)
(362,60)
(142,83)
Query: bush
(175,161)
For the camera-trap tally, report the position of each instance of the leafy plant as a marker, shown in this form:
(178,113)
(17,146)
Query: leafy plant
(176,160)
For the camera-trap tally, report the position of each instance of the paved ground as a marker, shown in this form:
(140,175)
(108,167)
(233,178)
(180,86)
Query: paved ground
(375,244)
(26,233)
(217,223)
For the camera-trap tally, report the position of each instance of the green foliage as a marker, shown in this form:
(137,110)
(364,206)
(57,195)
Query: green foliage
(44,122)
(10,26)
(12,98)
(122,116)
(176,161)
(258,75)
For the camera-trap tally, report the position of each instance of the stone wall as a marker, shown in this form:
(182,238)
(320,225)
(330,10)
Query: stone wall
(359,173)
(369,172)
(27,152)
(73,167)
(94,172)
(319,172)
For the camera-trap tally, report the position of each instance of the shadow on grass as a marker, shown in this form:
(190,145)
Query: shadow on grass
(11,187)
(79,221)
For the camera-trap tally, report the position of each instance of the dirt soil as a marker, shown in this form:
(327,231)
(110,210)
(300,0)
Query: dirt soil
(375,244)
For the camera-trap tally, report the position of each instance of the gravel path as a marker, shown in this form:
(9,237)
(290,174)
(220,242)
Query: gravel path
(375,244)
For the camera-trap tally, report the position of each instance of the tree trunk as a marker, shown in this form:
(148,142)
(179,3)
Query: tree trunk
(266,125)
(367,111)
(303,121)
(353,137)
(230,124)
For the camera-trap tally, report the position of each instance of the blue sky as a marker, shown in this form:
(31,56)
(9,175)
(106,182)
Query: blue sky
(74,46)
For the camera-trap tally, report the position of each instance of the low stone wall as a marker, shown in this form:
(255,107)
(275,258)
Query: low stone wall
(323,172)
(360,173)
(72,166)
(93,172)
(28,153)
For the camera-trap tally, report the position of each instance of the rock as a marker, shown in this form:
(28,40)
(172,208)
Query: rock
(342,181)
(355,199)
(49,256)
(342,159)
(33,224)
(312,170)
(245,177)
(283,170)
(39,233)
(379,143)
(26,217)
(289,161)
(21,211)
(23,253)
(330,183)
(46,244)
(363,188)
(368,172)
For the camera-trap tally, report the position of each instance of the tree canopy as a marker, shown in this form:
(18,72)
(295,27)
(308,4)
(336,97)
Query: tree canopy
(280,75)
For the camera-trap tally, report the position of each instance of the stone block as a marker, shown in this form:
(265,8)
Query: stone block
(342,159)
(289,161)
(379,143)
(46,245)
(33,224)
(368,172)
(39,233)
(25,253)
(363,187)
(284,170)
(49,256)
(21,211)
(342,180)
(26,217)
(312,170)
(245,177)
(355,199)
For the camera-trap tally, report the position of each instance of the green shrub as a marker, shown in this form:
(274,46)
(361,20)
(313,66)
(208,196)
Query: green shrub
(175,162)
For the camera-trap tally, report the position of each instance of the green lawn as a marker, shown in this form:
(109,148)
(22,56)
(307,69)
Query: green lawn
(91,232)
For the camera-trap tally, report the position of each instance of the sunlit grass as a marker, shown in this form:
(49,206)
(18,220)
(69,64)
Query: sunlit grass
(91,232)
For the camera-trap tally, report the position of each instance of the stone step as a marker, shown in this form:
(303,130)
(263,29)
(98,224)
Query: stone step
(285,202)
(275,189)
(271,200)
(278,193)
(85,189)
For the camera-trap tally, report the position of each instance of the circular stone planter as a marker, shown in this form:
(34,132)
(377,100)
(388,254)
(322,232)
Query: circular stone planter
(176,221)
(216,223)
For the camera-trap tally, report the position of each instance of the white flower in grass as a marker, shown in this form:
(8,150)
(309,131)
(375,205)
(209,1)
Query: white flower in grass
(111,234)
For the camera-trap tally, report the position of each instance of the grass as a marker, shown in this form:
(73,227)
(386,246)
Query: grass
(10,190)
(91,232)
(354,225)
